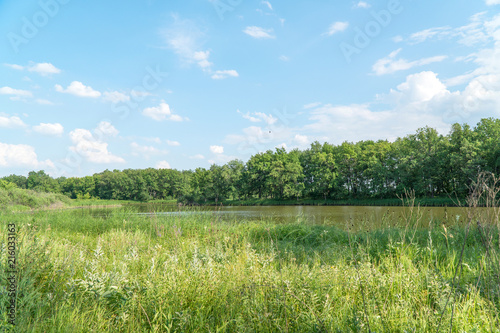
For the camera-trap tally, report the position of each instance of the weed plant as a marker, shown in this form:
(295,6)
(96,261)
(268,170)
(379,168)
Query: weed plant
(194,272)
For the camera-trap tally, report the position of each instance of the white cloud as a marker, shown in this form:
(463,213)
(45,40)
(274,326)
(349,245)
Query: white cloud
(163,165)
(92,149)
(21,155)
(173,143)
(420,87)
(43,68)
(363,4)
(197,157)
(268,4)
(78,89)
(161,112)
(43,102)
(145,151)
(55,129)
(11,122)
(390,64)
(223,74)
(421,100)
(256,117)
(281,145)
(14,66)
(256,139)
(259,33)
(422,36)
(473,33)
(201,57)
(312,105)
(492,2)
(337,27)
(397,39)
(217,149)
(16,93)
(115,97)
(139,94)
(105,129)
(301,140)
(284,58)
(185,39)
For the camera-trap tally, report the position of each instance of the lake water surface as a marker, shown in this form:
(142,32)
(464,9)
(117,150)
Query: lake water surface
(327,215)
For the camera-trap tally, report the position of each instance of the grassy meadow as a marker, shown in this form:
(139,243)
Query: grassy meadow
(81,272)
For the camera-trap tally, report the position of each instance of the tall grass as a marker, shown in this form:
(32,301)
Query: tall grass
(196,273)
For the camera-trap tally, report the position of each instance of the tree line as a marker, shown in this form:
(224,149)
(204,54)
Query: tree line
(427,162)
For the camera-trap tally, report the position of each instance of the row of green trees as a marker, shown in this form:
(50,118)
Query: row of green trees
(430,163)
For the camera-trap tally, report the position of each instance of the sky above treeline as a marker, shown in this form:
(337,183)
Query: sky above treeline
(92,85)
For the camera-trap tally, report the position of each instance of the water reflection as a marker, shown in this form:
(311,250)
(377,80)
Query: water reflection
(327,215)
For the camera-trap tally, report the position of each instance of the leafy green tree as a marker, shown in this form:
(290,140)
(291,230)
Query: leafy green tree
(5,185)
(40,181)
(20,181)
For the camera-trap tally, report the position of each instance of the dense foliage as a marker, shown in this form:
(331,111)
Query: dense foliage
(430,163)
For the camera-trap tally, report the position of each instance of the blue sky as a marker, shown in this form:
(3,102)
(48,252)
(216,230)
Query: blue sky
(95,85)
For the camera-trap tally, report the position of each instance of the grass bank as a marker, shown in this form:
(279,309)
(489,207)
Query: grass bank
(197,273)
(16,199)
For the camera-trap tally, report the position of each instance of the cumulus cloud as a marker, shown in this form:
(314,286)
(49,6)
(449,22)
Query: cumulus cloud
(259,33)
(43,68)
(105,129)
(15,93)
(217,149)
(161,112)
(54,129)
(336,27)
(11,122)
(77,88)
(301,140)
(13,155)
(173,143)
(93,149)
(421,100)
(223,74)
(390,64)
(163,165)
(492,2)
(420,87)
(363,4)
